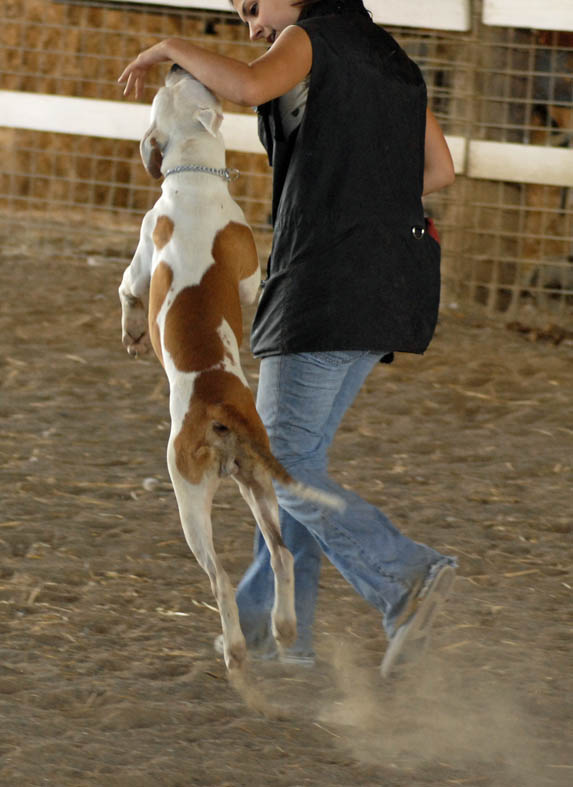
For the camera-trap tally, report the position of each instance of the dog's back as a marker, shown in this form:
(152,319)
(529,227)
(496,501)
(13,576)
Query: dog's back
(200,274)
(195,264)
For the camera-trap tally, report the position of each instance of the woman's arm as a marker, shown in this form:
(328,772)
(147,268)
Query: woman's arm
(283,66)
(438,164)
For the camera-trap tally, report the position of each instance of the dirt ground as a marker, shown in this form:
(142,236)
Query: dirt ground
(107,671)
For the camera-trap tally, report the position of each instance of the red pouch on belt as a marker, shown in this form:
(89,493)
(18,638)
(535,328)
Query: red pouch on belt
(432,229)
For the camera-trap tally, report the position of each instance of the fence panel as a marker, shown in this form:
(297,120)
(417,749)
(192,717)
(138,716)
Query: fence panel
(504,96)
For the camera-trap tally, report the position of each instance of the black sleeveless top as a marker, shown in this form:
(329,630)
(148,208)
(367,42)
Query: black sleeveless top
(352,266)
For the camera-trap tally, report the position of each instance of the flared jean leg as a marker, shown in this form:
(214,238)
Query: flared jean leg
(302,399)
(255,593)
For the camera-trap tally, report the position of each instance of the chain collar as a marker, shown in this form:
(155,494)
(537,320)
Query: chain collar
(227,174)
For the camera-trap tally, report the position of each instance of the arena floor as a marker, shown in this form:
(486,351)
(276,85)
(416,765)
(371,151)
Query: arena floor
(107,671)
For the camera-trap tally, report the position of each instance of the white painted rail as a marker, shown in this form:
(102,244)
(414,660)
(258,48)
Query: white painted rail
(539,14)
(501,161)
(433,14)
(111,119)
(520,163)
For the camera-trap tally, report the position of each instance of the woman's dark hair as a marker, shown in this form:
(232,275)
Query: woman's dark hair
(324,7)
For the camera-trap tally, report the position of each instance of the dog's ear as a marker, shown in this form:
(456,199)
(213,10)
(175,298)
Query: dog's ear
(151,148)
(210,119)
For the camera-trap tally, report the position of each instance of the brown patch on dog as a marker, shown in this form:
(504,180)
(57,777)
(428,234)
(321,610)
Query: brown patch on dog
(162,232)
(231,402)
(218,397)
(235,242)
(160,283)
(191,323)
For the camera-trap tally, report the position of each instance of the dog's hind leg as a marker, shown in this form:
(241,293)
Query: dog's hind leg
(257,489)
(194,502)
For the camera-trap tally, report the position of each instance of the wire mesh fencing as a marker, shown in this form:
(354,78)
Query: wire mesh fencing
(497,91)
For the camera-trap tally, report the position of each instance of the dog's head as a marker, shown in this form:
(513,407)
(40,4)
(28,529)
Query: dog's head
(181,112)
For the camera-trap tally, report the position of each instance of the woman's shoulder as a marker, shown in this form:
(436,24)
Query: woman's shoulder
(323,21)
(361,41)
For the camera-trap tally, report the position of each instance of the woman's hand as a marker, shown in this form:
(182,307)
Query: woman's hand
(135,73)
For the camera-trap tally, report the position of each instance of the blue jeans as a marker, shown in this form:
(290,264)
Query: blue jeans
(301,400)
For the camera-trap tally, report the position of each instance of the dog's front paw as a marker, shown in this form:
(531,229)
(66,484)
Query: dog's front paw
(134,336)
(136,345)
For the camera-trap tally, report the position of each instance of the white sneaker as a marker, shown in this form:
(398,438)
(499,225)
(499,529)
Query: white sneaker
(411,637)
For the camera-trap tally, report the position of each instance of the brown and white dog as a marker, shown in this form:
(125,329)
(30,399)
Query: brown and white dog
(195,263)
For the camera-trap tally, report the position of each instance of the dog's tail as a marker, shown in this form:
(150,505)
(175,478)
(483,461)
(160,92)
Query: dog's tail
(284,478)
(233,420)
